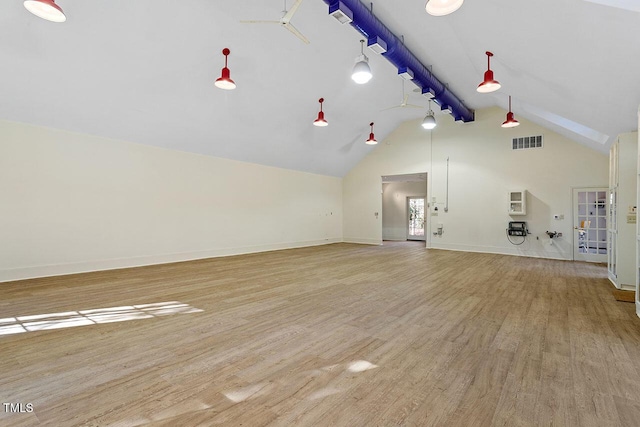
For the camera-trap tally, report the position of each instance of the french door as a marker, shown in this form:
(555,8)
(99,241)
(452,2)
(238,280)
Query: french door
(415,218)
(590,224)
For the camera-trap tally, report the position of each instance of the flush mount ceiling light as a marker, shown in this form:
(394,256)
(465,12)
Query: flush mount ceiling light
(361,71)
(372,138)
(224,81)
(489,84)
(45,9)
(510,122)
(442,7)
(320,121)
(429,121)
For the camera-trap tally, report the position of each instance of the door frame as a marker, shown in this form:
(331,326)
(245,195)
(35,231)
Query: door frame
(426,181)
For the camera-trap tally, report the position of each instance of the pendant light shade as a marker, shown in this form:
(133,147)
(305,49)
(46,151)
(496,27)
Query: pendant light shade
(442,7)
(45,9)
(372,138)
(489,84)
(510,122)
(361,71)
(429,121)
(224,81)
(320,121)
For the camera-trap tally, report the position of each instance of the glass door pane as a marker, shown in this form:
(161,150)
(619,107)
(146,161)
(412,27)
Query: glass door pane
(416,218)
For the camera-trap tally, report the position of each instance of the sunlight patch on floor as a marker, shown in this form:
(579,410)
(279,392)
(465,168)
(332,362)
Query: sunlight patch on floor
(69,319)
(242,394)
(323,392)
(360,366)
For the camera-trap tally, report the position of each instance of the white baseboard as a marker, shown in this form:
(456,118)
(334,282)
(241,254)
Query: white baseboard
(495,250)
(613,281)
(626,287)
(362,241)
(637,307)
(33,272)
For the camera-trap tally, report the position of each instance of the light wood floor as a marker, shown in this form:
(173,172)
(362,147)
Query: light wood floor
(339,335)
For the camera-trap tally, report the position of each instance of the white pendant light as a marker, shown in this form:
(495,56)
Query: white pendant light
(442,7)
(45,9)
(429,121)
(361,71)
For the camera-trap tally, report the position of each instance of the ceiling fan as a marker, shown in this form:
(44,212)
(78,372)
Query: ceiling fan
(285,21)
(404,104)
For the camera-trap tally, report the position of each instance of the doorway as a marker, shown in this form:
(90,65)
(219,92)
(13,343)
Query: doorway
(590,224)
(404,206)
(415,218)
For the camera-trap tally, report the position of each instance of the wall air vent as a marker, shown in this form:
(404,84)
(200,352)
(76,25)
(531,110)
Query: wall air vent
(525,142)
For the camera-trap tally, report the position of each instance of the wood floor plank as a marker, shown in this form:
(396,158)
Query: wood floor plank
(336,335)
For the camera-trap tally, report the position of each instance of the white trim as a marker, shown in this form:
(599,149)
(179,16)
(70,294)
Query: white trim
(362,241)
(612,279)
(33,272)
(494,250)
(637,308)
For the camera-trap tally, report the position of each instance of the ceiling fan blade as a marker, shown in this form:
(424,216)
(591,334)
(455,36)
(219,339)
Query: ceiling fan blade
(297,33)
(414,106)
(287,17)
(260,22)
(404,101)
(392,108)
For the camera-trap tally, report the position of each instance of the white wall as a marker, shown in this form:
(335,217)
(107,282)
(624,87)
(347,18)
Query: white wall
(394,207)
(72,203)
(483,168)
(638,224)
(627,178)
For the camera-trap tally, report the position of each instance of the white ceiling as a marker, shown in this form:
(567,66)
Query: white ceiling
(143,71)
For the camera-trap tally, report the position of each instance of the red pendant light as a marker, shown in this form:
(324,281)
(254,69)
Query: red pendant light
(45,9)
(224,81)
(320,121)
(510,122)
(372,138)
(489,84)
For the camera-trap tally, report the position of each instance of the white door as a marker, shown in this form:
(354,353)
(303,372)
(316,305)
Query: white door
(590,224)
(415,218)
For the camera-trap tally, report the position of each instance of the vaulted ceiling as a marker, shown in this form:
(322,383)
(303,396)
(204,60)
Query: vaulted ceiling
(143,71)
